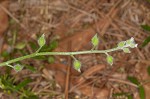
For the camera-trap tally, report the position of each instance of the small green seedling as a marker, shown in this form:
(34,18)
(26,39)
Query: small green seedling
(8,84)
(123,45)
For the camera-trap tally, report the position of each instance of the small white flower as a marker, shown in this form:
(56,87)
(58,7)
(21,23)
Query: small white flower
(79,70)
(132,39)
(132,43)
(136,45)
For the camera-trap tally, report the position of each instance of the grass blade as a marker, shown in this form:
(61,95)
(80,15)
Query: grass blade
(146,41)
(23,84)
(146,27)
(141,92)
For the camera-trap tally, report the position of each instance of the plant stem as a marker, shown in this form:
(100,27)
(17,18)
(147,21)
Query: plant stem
(38,49)
(57,53)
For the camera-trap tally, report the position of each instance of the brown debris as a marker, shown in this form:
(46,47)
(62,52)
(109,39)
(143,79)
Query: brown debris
(60,74)
(3,17)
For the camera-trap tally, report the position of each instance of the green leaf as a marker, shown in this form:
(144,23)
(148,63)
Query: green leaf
(77,65)
(6,82)
(126,50)
(146,27)
(23,84)
(53,45)
(5,54)
(28,94)
(18,67)
(148,70)
(133,80)
(41,41)
(20,45)
(51,59)
(121,44)
(49,47)
(109,59)
(146,41)
(33,46)
(31,68)
(130,97)
(95,40)
(141,92)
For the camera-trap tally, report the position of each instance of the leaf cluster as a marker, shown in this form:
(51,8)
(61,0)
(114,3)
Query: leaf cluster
(9,86)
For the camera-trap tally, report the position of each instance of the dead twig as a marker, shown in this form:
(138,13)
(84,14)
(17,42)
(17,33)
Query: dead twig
(68,74)
(122,81)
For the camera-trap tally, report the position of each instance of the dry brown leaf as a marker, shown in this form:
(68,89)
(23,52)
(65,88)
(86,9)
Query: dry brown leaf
(91,71)
(89,90)
(62,68)
(79,40)
(3,17)
(60,77)
(47,74)
(82,38)
(99,93)
(60,71)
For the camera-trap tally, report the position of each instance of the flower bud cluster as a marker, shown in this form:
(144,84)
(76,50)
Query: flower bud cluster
(125,45)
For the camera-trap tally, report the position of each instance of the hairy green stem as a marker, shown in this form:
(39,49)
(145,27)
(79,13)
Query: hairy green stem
(57,53)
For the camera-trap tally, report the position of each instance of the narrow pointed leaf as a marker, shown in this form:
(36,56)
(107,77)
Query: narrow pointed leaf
(141,92)
(146,27)
(133,80)
(140,88)
(31,68)
(148,70)
(146,41)
(130,97)
(23,84)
